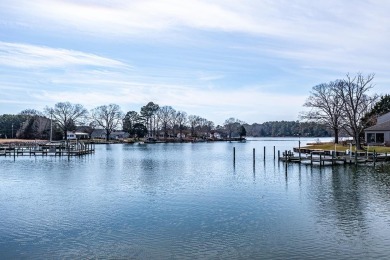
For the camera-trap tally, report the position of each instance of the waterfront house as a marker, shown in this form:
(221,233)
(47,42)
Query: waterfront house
(119,135)
(73,135)
(101,134)
(379,134)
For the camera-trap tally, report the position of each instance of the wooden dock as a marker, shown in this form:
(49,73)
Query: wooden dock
(66,148)
(320,157)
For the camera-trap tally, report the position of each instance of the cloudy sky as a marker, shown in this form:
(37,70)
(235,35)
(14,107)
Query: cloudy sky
(253,60)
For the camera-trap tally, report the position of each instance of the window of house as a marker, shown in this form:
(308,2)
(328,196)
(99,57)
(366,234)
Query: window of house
(370,138)
(380,137)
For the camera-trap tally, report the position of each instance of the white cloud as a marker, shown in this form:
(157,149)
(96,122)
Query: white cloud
(306,21)
(305,42)
(32,56)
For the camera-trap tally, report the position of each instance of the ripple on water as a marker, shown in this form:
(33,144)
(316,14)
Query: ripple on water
(186,201)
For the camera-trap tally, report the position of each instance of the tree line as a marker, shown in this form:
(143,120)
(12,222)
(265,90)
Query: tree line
(287,128)
(345,105)
(152,121)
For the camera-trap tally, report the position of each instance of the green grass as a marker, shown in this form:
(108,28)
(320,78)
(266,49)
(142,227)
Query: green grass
(342,148)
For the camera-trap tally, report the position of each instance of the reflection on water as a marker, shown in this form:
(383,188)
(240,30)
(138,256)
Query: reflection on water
(185,201)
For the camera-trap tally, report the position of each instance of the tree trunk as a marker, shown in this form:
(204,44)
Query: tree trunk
(107,135)
(357,141)
(336,135)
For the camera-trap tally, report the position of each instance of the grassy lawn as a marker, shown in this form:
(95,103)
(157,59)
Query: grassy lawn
(339,147)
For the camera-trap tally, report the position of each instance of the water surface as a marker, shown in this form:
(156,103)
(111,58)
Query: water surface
(188,201)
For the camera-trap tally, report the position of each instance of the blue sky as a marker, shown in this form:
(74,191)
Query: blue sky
(253,60)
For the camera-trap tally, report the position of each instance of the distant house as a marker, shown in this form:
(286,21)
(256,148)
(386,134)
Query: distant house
(215,135)
(72,135)
(182,135)
(101,134)
(379,133)
(119,135)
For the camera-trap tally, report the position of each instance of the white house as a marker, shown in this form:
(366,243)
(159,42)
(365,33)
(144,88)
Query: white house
(215,135)
(116,135)
(71,135)
(379,133)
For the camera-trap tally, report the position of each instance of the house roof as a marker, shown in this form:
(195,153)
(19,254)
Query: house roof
(98,132)
(380,127)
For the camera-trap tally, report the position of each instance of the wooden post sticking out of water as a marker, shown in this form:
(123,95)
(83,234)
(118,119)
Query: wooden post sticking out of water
(264,153)
(278,155)
(274,152)
(320,159)
(299,147)
(254,157)
(68,144)
(234,155)
(356,156)
(334,157)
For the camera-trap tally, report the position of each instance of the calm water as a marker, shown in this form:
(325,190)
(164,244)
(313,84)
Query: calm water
(188,201)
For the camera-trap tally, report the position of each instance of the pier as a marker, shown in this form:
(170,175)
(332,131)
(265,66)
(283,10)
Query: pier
(64,148)
(327,157)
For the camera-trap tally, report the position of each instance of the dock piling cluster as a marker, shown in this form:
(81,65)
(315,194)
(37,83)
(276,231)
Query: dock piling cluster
(321,157)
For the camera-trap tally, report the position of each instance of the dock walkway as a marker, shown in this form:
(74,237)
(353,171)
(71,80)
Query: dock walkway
(69,148)
(321,157)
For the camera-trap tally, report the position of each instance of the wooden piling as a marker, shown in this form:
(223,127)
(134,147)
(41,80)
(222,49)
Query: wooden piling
(356,157)
(274,152)
(299,147)
(254,157)
(234,155)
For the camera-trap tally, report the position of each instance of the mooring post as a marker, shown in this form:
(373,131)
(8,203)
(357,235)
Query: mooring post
(299,147)
(253,157)
(320,159)
(278,155)
(356,156)
(234,155)
(333,157)
(274,152)
(264,153)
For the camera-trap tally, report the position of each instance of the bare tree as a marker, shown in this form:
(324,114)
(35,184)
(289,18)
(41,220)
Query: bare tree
(326,106)
(231,125)
(354,95)
(166,113)
(193,121)
(201,126)
(107,117)
(209,126)
(67,115)
(181,120)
